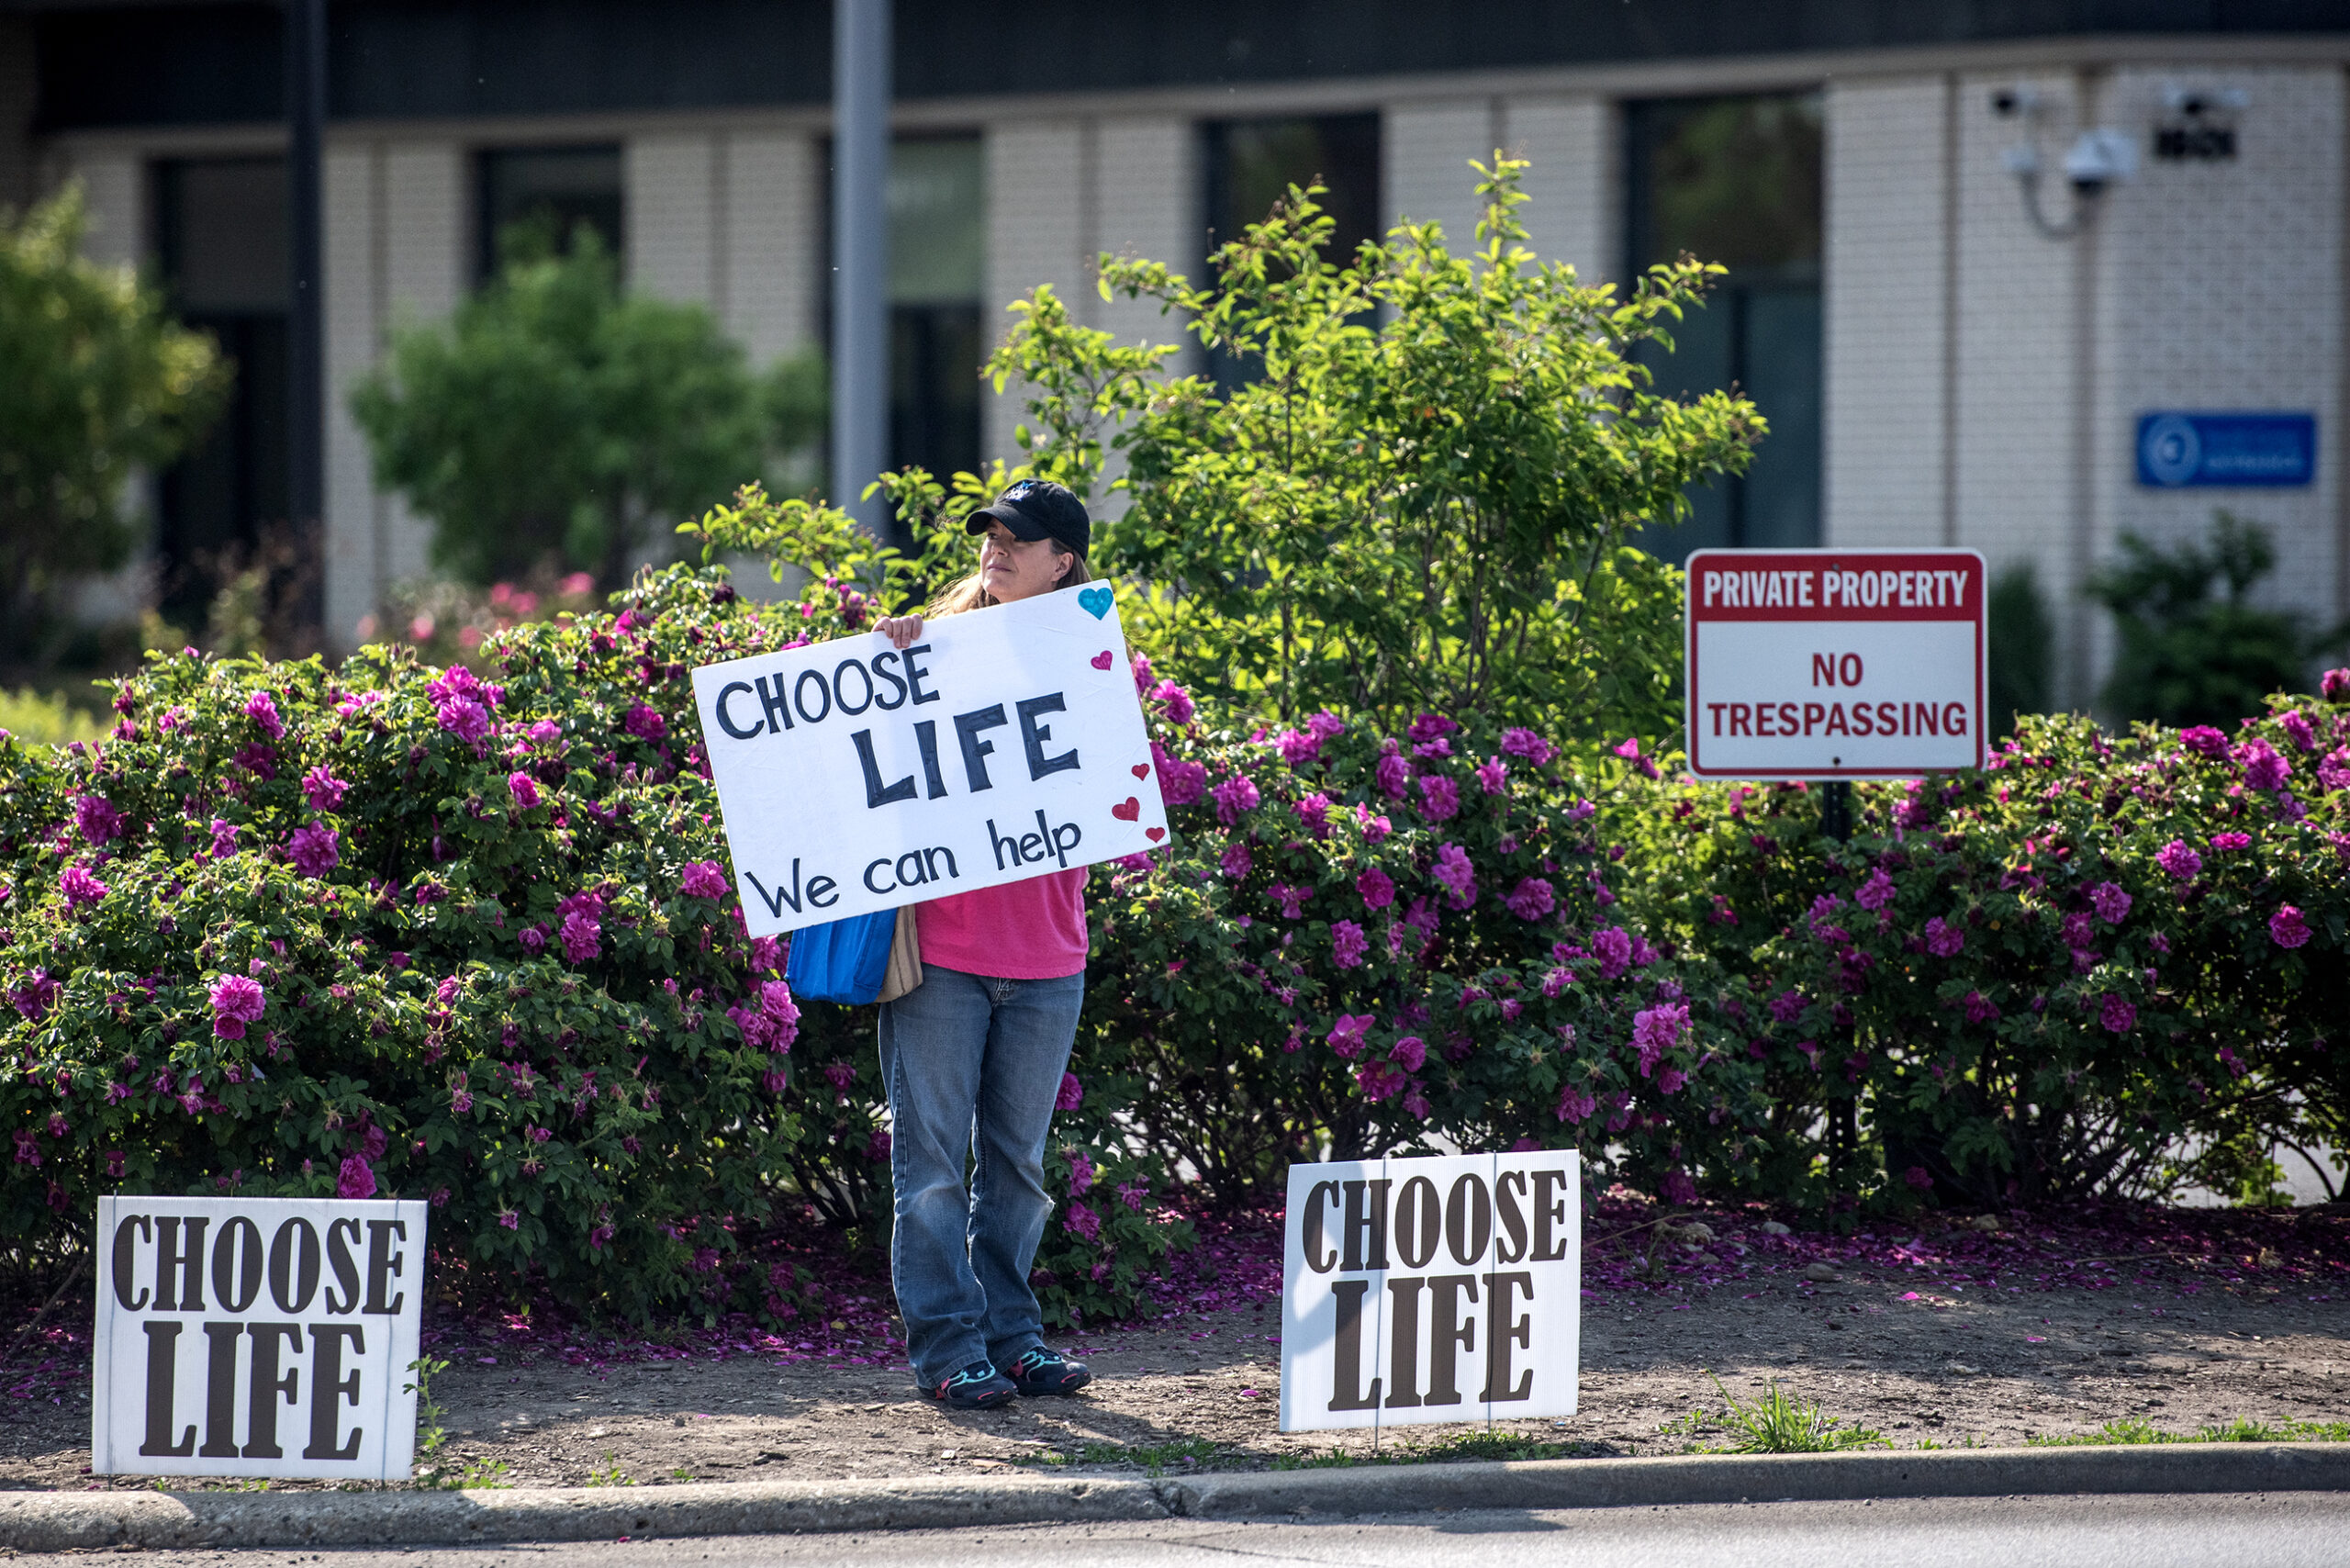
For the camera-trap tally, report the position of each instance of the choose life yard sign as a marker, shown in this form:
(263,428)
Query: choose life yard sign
(1835,664)
(853,777)
(256,1337)
(1447,1289)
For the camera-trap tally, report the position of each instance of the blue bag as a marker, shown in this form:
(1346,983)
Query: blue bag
(843,960)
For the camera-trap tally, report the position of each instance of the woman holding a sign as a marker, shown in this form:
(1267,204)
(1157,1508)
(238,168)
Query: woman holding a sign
(975,1054)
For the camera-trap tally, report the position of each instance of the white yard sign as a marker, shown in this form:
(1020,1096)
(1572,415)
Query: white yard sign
(256,1337)
(1008,743)
(1835,664)
(1432,1289)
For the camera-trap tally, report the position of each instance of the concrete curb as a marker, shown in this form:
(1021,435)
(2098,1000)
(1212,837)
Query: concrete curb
(1766,1478)
(59,1521)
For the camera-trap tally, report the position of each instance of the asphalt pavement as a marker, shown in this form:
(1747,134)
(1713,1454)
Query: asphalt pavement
(2286,1530)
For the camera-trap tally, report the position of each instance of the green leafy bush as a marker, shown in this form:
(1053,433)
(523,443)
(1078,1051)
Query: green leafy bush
(2188,657)
(1424,498)
(96,381)
(554,417)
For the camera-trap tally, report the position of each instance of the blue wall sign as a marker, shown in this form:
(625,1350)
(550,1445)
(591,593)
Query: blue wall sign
(2177,450)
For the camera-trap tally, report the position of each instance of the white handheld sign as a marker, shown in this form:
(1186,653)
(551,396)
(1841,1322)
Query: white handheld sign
(1432,1289)
(1008,743)
(1835,664)
(256,1337)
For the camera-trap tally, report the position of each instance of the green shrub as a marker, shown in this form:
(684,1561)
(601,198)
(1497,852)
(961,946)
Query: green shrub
(2186,658)
(35,719)
(1426,496)
(2024,647)
(555,415)
(97,382)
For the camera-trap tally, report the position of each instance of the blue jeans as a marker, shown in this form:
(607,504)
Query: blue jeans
(974,1066)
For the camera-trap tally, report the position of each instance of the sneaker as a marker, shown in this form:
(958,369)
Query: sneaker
(977,1387)
(1048,1371)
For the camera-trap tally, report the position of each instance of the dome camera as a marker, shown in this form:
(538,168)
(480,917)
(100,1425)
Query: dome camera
(2100,158)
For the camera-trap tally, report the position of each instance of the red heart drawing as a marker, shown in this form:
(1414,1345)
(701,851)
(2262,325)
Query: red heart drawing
(1130,812)
(1142,771)
(1101,660)
(1154,833)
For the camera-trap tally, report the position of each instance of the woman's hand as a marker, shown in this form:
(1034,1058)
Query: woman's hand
(903,631)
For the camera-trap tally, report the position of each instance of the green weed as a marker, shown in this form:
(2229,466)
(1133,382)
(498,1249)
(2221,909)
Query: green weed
(611,1474)
(1779,1422)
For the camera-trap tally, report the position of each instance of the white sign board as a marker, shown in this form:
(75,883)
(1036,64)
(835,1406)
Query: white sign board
(1008,743)
(1432,1289)
(1835,664)
(256,1337)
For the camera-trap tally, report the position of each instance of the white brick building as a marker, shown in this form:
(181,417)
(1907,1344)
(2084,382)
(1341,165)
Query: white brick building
(1971,380)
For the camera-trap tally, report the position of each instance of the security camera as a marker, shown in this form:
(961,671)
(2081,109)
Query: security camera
(2007,102)
(2195,102)
(2100,158)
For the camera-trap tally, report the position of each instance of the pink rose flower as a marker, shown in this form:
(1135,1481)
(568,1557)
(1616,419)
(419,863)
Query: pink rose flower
(315,849)
(703,879)
(1943,940)
(1071,1096)
(1532,899)
(1347,943)
(96,819)
(322,790)
(1452,869)
(237,1000)
(2286,927)
(1345,1037)
(1234,796)
(1528,745)
(524,789)
(1377,889)
(2180,861)
(2117,1015)
(1439,797)
(1394,776)
(263,711)
(1876,893)
(1173,698)
(1236,863)
(463,718)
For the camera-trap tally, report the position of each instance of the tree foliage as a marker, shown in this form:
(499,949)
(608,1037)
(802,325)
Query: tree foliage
(555,416)
(2195,650)
(96,380)
(1422,496)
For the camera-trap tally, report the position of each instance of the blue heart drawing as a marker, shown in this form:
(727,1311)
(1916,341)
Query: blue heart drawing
(1096,600)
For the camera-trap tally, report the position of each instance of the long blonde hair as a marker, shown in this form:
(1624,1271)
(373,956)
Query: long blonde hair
(971,593)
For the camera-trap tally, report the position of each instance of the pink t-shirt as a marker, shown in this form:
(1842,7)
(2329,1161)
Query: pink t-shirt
(1029,930)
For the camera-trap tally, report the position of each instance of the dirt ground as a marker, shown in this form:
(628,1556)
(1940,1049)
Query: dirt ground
(1897,1347)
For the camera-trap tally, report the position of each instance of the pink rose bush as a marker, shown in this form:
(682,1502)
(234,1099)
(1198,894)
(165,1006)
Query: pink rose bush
(284,934)
(2075,963)
(470,932)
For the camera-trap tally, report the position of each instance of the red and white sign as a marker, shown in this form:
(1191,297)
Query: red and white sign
(1835,664)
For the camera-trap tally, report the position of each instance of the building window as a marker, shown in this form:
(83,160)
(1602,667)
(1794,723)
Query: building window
(538,198)
(1249,164)
(220,245)
(1737,181)
(937,204)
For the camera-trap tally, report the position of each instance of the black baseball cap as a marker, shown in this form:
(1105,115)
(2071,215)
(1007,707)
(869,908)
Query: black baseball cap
(1038,509)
